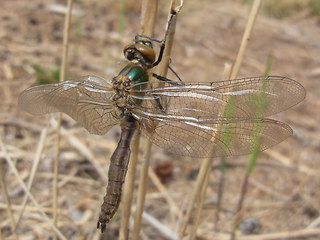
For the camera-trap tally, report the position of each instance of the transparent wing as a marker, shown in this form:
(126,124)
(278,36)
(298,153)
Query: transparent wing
(218,118)
(212,138)
(88,101)
(246,98)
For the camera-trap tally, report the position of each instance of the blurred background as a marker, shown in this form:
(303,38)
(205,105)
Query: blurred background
(283,191)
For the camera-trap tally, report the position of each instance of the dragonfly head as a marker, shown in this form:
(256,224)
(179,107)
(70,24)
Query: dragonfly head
(141,51)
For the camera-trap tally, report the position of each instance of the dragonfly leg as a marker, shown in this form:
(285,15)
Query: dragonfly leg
(163,44)
(164,79)
(174,72)
(163,41)
(136,38)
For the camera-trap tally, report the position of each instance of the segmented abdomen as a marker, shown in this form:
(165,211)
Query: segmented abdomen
(117,172)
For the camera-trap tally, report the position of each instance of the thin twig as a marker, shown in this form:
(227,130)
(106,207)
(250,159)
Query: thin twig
(35,165)
(289,235)
(30,196)
(245,39)
(206,164)
(7,201)
(163,229)
(161,188)
(201,184)
(199,204)
(226,75)
(82,148)
(57,146)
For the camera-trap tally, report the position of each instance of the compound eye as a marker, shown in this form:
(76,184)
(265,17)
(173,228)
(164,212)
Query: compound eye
(128,51)
(147,51)
(148,43)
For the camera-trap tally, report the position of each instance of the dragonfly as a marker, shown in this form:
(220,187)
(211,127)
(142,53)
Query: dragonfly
(195,119)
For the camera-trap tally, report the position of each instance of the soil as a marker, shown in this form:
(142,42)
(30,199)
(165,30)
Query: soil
(283,191)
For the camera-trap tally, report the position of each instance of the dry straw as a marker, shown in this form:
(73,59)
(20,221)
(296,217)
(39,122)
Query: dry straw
(196,202)
(149,10)
(28,193)
(64,63)
(148,16)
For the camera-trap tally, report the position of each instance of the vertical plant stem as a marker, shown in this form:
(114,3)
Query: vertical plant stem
(201,185)
(34,169)
(25,189)
(143,180)
(199,205)
(65,43)
(226,76)
(148,15)
(149,9)
(162,71)
(235,69)
(239,205)
(62,78)
(7,201)
(128,188)
(245,39)
(219,199)
(206,164)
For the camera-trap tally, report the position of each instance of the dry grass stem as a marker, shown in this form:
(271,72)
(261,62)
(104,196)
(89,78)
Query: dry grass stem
(80,146)
(128,190)
(298,234)
(198,195)
(161,188)
(148,15)
(161,70)
(8,205)
(235,69)
(149,11)
(58,136)
(282,192)
(205,165)
(35,165)
(208,162)
(30,196)
(199,204)
(288,163)
(160,227)
(143,180)
(246,37)
(226,75)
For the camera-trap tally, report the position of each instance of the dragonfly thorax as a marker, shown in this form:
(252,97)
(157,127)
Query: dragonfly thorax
(125,85)
(141,51)
(121,85)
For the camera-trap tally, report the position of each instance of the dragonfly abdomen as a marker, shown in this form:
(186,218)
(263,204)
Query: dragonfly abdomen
(117,172)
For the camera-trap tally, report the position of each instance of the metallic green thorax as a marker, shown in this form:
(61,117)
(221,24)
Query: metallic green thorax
(135,73)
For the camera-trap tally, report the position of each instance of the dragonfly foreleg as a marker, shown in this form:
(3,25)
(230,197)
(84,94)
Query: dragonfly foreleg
(164,79)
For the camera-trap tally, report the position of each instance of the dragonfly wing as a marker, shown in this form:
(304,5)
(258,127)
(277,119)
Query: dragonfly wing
(244,98)
(89,102)
(212,138)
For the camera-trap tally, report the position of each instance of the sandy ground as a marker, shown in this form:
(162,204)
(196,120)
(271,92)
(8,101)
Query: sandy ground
(283,192)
